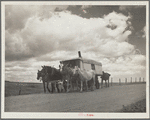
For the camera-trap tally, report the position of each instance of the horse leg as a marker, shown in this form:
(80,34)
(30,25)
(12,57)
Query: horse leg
(97,82)
(93,85)
(58,88)
(44,86)
(108,82)
(62,88)
(67,86)
(52,88)
(70,84)
(86,85)
(105,83)
(73,85)
(93,82)
(77,84)
(101,83)
(81,89)
(78,87)
(55,87)
(48,87)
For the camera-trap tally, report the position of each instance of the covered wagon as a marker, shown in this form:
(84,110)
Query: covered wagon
(86,64)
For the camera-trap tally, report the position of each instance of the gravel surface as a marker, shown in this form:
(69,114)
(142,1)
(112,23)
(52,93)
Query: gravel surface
(109,99)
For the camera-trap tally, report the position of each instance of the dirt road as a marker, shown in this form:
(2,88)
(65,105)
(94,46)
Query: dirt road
(102,100)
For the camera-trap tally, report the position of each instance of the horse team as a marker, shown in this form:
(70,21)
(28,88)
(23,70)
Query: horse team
(67,78)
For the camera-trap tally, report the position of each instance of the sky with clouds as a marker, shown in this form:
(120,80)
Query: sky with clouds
(38,35)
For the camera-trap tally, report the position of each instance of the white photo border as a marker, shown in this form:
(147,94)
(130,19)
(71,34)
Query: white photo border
(63,115)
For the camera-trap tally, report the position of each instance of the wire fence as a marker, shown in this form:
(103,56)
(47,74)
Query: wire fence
(130,80)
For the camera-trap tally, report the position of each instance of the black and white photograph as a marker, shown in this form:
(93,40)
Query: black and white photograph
(75,59)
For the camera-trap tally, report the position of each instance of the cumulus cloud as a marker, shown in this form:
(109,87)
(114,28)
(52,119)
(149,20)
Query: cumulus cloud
(67,32)
(125,66)
(16,16)
(48,38)
(122,66)
(25,71)
(15,48)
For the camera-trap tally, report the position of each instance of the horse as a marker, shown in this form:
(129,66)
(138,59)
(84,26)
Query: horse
(42,74)
(68,77)
(105,76)
(50,74)
(85,76)
(54,76)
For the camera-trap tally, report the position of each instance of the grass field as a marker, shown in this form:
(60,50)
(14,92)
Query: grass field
(14,88)
(17,88)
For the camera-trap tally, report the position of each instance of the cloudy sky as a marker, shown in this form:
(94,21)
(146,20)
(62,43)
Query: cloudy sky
(38,35)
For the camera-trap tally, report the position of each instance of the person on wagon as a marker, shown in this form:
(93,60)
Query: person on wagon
(61,65)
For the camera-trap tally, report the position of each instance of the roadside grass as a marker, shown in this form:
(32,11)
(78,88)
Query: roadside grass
(139,106)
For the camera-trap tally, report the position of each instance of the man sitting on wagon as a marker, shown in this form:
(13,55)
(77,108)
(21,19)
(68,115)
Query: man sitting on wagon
(61,65)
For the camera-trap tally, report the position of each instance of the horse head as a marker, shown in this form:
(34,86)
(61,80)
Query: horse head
(38,74)
(76,71)
(66,72)
(63,67)
(41,73)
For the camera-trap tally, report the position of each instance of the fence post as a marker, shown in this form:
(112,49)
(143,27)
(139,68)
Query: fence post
(119,81)
(126,80)
(131,79)
(140,79)
(111,81)
(20,89)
